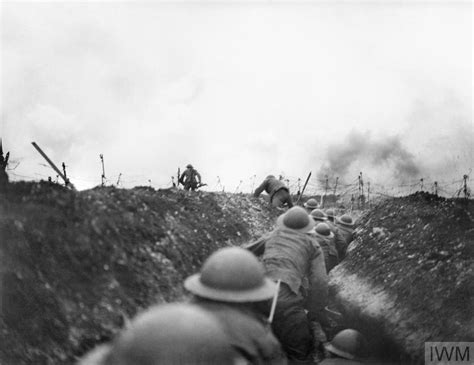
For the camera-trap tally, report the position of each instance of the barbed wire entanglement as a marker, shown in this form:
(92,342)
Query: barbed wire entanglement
(456,188)
(359,191)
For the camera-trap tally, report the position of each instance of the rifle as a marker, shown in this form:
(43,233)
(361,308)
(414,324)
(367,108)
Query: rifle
(304,187)
(274,302)
(257,247)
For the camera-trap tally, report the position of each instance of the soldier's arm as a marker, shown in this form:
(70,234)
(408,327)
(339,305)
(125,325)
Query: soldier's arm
(318,282)
(260,188)
(198,175)
(257,247)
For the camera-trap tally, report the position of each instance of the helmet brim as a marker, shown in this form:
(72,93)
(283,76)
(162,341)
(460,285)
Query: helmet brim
(310,206)
(263,292)
(338,352)
(344,223)
(331,235)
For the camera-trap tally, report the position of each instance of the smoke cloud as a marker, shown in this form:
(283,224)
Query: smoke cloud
(362,150)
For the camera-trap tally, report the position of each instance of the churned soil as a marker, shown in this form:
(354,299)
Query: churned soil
(416,253)
(74,266)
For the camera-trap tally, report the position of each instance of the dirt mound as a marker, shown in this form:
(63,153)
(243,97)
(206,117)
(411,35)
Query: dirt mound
(409,274)
(74,265)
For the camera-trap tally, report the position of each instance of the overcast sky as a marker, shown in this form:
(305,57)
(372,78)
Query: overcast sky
(238,90)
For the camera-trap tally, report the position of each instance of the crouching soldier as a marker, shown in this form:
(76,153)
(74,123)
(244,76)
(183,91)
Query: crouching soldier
(277,190)
(348,347)
(232,286)
(172,334)
(346,227)
(190,178)
(325,238)
(294,257)
(311,205)
(338,235)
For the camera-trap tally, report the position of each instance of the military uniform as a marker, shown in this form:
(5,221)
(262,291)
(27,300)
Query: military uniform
(339,240)
(190,178)
(345,226)
(231,285)
(297,260)
(277,190)
(328,245)
(347,235)
(248,331)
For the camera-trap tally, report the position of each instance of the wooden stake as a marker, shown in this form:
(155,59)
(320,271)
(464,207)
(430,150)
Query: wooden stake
(103,169)
(66,180)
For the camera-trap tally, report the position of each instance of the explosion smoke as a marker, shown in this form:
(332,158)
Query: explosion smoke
(359,147)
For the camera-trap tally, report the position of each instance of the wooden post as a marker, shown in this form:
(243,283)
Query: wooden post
(66,180)
(465,190)
(64,172)
(368,194)
(103,169)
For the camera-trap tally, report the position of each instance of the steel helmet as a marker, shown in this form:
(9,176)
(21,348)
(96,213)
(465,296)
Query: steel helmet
(324,230)
(318,215)
(270,177)
(297,219)
(345,220)
(231,274)
(172,334)
(311,204)
(189,166)
(330,213)
(349,344)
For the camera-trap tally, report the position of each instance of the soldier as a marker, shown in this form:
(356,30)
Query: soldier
(277,190)
(294,257)
(318,215)
(348,347)
(190,178)
(325,238)
(172,334)
(232,286)
(338,236)
(346,227)
(310,205)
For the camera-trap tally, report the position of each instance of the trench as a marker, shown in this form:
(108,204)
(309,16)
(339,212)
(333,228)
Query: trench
(87,259)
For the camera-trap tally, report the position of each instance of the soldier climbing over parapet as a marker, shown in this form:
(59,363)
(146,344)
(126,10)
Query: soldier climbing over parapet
(190,178)
(233,287)
(278,192)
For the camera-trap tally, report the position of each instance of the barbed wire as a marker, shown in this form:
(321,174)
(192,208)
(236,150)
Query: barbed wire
(315,187)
